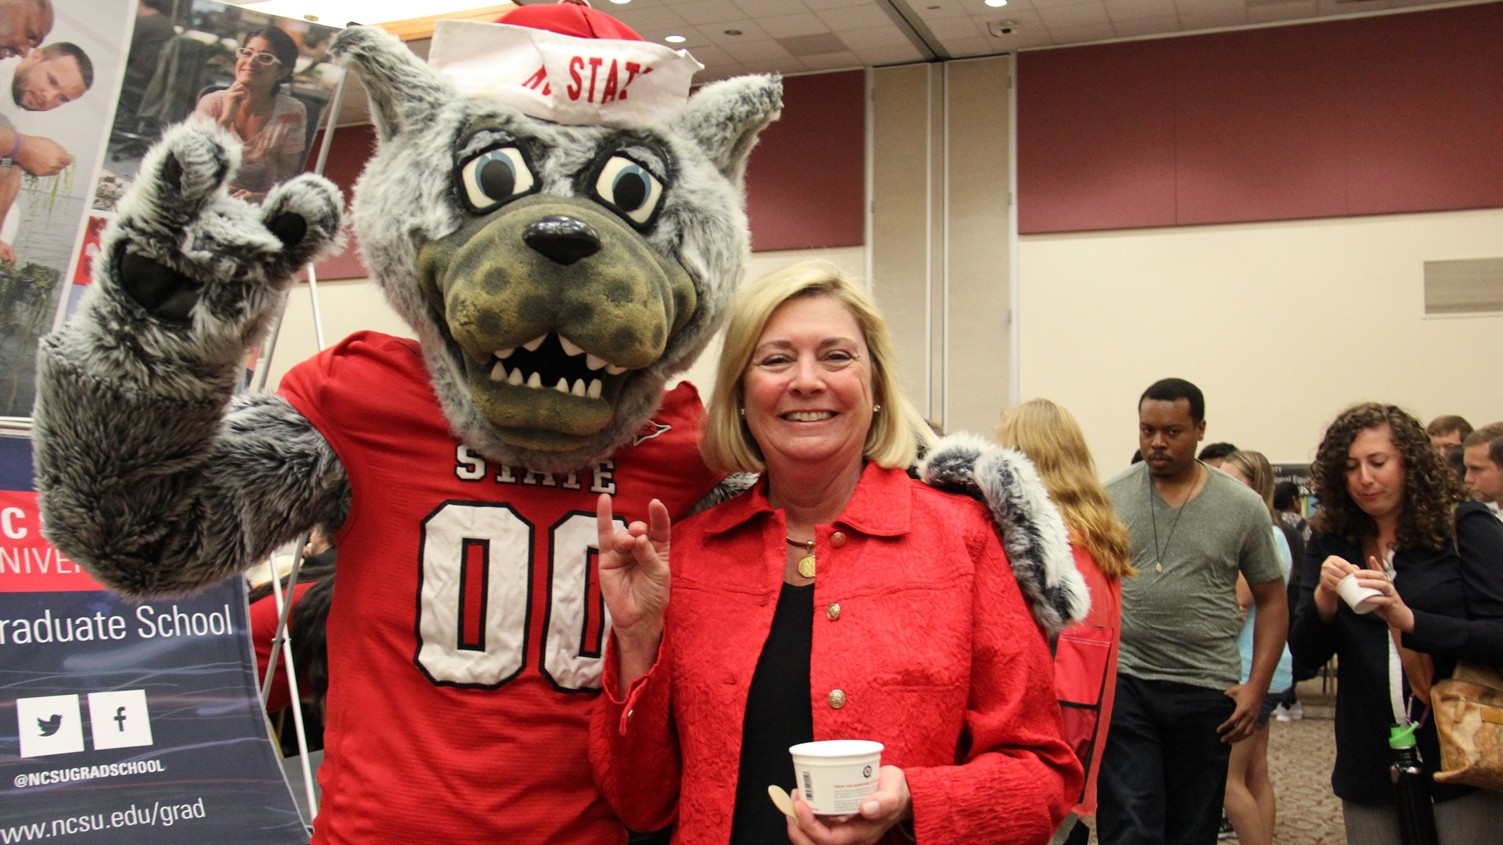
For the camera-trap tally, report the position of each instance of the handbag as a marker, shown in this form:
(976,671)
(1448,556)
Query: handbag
(1468,711)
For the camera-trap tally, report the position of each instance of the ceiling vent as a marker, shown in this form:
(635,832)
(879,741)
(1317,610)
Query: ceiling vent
(813,45)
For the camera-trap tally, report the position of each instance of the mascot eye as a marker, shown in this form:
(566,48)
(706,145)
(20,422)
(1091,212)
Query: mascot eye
(494,177)
(629,188)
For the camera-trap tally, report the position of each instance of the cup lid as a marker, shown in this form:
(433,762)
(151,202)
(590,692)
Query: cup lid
(836,748)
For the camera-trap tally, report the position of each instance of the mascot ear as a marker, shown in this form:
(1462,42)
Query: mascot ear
(725,117)
(405,94)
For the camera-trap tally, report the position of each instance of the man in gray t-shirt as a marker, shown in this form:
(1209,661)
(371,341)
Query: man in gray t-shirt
(1179,705)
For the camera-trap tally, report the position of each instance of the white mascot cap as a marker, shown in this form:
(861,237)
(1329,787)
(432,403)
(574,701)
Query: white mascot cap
(567,63)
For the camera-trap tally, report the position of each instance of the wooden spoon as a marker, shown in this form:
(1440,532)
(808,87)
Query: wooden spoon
(781,799)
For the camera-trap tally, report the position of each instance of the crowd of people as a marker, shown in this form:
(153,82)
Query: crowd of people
(839,597)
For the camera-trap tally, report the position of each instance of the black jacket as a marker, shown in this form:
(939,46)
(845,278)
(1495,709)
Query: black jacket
(1457,601)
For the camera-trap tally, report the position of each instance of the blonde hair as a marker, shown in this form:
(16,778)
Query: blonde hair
(1255,467)
(1049,435)
(897,430)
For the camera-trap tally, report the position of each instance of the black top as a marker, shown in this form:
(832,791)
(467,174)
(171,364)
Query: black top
(1457,599)
(778,715)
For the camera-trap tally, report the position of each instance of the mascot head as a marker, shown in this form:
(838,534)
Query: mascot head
(561,225)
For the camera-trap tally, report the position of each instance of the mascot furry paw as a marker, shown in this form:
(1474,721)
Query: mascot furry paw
(562,236)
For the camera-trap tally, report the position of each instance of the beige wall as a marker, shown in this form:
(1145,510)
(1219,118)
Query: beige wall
(1281,324)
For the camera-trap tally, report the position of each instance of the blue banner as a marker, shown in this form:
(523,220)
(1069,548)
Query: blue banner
(124,722)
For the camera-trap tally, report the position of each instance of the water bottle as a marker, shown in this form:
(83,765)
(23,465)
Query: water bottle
(1411,788)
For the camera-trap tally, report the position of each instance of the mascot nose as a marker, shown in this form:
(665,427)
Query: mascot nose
(562,238)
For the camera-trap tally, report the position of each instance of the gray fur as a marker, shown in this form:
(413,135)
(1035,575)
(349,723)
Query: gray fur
(149,476)
(1033,533)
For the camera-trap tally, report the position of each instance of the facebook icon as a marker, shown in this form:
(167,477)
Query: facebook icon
(120,719)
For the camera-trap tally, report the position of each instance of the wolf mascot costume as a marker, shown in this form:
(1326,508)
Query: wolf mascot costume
(556,274)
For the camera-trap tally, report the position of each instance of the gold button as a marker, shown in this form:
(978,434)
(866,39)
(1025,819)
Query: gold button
(629,714)
(833,611)
(837,698)
(837,539)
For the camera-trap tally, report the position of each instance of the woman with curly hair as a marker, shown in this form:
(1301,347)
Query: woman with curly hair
(1049,435)
(1393,513)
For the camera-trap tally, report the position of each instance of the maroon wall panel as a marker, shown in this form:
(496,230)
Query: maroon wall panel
(1257,140)
(1098,150)
(1377,115)
(806,182)
(1427,113)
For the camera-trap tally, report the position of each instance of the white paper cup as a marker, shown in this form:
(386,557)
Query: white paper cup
(834,775)
(1357,597)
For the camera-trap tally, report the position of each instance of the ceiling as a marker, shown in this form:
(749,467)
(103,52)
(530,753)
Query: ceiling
(734,37)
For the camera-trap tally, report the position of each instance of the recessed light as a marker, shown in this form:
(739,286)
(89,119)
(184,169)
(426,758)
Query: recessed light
(996,3)
(675,39)
(620,2)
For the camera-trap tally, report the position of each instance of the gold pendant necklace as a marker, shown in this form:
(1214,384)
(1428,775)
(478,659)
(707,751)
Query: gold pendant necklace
(806,563)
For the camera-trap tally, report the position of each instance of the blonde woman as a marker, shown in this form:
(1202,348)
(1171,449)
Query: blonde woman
(1049,435)
(836,598)
(1249,800)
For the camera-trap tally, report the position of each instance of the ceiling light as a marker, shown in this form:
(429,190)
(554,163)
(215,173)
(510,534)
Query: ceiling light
(675,39)
(996,3)
(620,2)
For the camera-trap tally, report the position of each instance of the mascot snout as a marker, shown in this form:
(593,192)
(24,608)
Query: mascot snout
(553,303)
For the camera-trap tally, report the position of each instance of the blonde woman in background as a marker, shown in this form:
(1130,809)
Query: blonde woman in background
(1249,800)
(1086,654)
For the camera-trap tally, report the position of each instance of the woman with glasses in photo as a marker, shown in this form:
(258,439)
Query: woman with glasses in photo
(270,125)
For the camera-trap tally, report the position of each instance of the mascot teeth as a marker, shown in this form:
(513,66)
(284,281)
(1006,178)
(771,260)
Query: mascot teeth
(573,384)
(554,360)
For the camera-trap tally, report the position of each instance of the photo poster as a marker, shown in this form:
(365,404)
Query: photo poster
(153,64)
(123,722)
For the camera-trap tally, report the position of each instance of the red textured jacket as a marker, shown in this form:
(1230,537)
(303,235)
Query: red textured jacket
(918,624)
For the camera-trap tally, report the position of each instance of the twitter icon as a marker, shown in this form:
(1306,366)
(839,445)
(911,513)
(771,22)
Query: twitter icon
(49,725)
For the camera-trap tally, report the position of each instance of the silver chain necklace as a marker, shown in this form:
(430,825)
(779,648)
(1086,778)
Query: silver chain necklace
(1153,509)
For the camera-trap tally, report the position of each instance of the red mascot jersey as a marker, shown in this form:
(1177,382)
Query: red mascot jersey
(466,633)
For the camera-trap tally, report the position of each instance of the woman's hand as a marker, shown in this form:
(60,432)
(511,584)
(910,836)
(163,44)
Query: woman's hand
(1332,570)
(890,804)
(1389,606)
(634,580)
(234,98)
